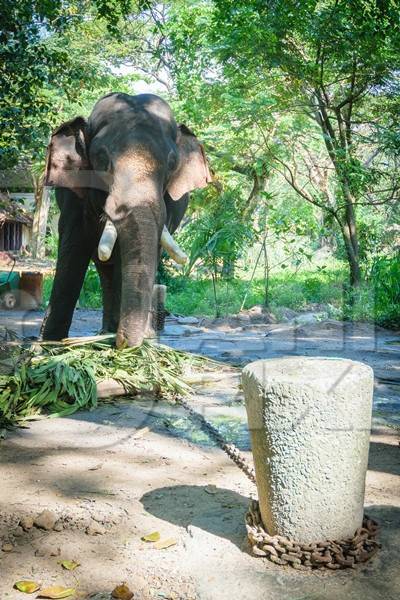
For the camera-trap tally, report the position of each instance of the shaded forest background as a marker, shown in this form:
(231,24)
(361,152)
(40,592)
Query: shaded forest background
(297,103)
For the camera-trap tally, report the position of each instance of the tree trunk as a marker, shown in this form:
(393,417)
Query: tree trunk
(266,275)
(40,218)
(338,148)
(350,241)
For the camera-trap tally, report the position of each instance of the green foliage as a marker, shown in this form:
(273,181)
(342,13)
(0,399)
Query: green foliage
(49,62)
(60,380)
(288,288)
(90,296)
(297,104)
(219,235)
(306,92)
(385,281)
(378,300)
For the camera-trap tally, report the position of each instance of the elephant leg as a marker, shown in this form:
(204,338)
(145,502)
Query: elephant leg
(110,279)
(75,247)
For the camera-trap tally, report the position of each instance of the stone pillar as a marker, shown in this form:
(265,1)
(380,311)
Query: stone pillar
(158,300)
(310,420)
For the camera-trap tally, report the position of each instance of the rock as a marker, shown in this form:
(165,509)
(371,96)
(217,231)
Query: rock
(46,520)
(47,550)
(188,329)
(26,523)
(173,330)
(256,315)
(178,330)
(286,314)
(188,320)
(95,528)
(98,518)
(59,526)
(331,324)
(18,531)
(309,318)
(7,547)
(243,317)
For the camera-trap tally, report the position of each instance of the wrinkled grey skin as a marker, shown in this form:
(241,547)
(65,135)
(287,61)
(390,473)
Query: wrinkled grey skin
(136,150)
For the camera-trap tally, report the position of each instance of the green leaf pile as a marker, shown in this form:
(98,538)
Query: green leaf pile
(59,380)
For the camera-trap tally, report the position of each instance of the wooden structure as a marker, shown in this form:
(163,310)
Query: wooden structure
(15,225)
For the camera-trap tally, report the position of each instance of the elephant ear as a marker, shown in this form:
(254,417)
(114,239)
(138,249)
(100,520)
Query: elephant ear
(67,155)
(192,171)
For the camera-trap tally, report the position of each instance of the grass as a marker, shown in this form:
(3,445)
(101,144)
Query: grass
(378,300)
(295,291)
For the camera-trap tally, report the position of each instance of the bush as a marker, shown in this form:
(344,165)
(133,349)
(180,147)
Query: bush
(378,300)
(90,296)
(385,277)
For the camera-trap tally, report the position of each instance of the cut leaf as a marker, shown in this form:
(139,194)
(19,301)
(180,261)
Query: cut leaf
(70,565)
(151,537)
(56,592)
(28,587)
(162,544)
(122,592)
(210,489)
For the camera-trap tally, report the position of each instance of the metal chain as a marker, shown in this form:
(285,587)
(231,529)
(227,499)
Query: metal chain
(230,449)
(330,554)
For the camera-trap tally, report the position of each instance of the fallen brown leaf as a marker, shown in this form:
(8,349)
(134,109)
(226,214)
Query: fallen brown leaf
(122,592)
(56,592)
(162,544)
(70,565)
(28,587)
(151,537)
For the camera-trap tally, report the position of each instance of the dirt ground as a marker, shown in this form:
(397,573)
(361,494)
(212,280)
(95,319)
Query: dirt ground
(132,467)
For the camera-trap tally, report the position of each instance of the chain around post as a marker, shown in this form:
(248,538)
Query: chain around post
(329,554)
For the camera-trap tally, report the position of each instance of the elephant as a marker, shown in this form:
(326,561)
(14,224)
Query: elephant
(122,180)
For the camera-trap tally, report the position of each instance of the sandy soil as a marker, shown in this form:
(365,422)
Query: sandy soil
(133,467)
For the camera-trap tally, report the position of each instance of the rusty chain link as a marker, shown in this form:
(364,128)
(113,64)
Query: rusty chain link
(329,554)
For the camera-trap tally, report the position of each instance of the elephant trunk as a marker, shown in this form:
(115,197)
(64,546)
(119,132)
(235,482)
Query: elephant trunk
(137,214)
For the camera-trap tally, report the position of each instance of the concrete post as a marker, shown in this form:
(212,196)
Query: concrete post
(310,421)
(158,300)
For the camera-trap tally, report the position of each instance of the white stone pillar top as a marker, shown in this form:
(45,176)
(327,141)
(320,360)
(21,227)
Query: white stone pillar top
(319,372)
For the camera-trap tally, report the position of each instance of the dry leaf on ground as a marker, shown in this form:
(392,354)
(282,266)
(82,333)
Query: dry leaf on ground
(56,592)
(70,565)
(162,544)
(28,587)
(122,592)
(151,537)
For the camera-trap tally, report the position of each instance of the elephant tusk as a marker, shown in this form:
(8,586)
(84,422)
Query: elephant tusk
(107,241)
(109,236)
(170,246)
